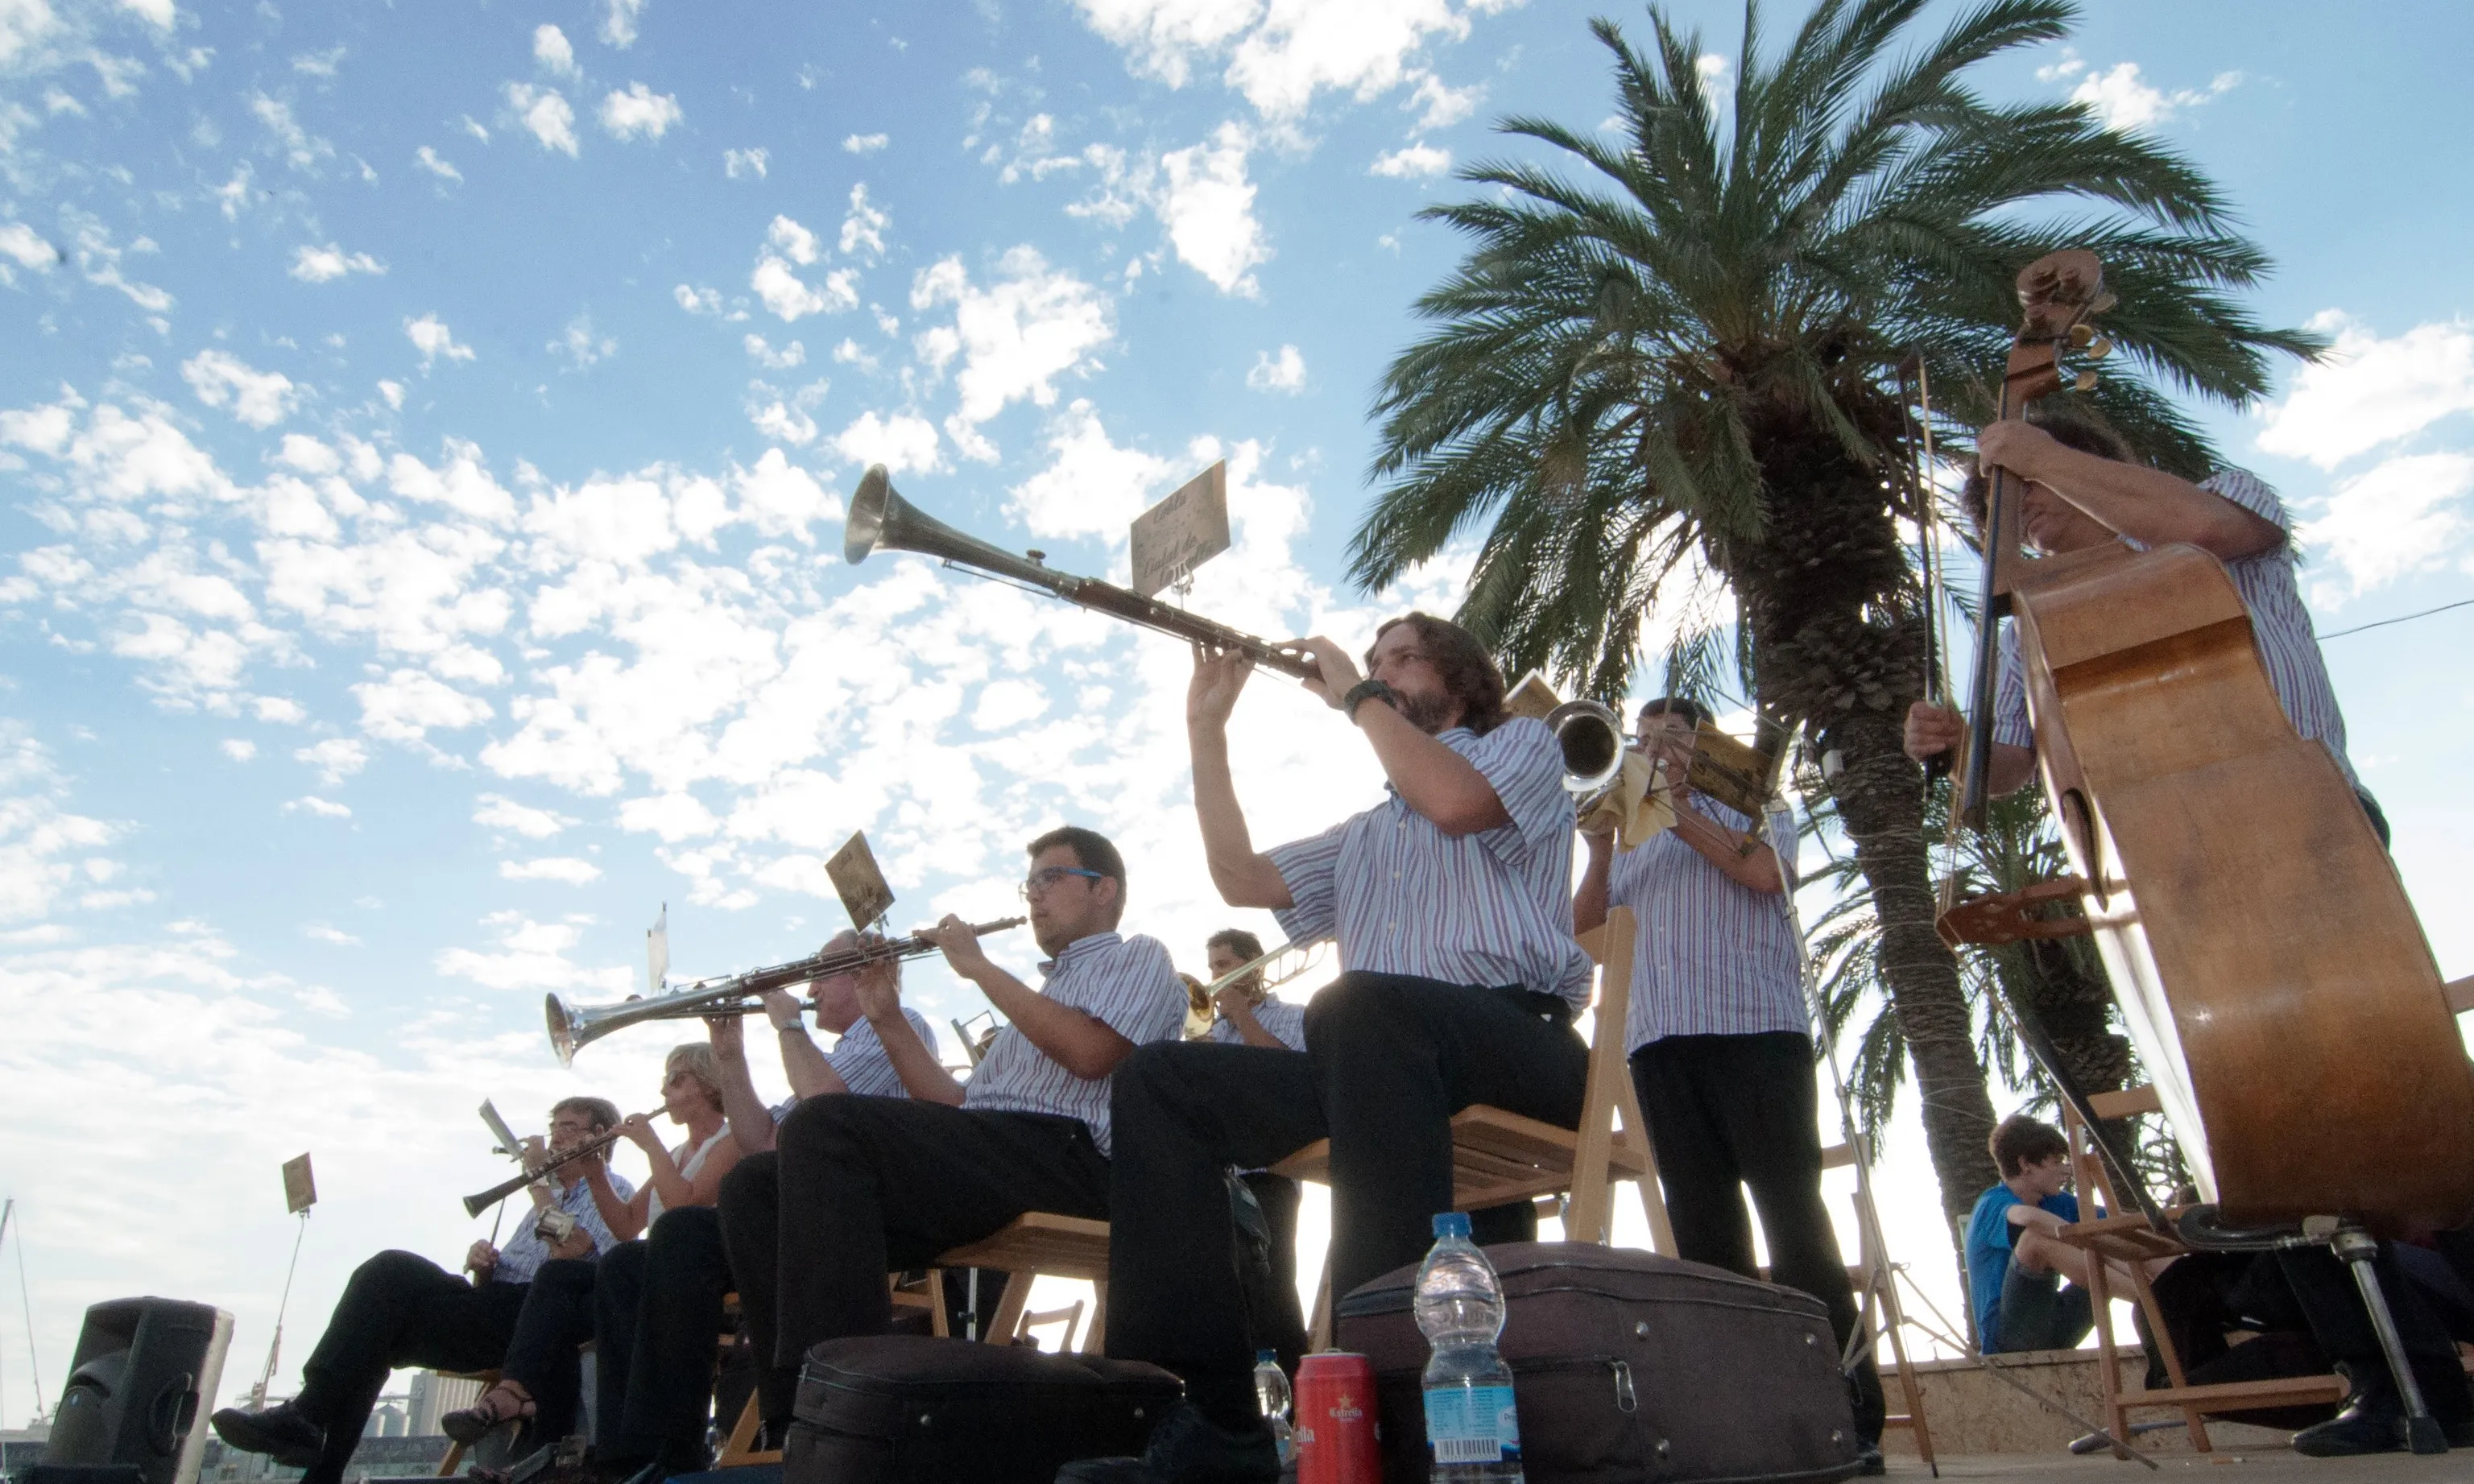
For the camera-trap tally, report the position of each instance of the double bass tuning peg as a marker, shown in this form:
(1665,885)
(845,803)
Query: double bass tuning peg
(2085,381)
(2085,338)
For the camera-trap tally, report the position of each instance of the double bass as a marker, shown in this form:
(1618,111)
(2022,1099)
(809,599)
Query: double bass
(2270,969)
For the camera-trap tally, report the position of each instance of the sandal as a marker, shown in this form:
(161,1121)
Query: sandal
(504,1402)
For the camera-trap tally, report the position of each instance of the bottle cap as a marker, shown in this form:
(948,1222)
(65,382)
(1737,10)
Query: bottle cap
(1451,1224)
(1267,1357)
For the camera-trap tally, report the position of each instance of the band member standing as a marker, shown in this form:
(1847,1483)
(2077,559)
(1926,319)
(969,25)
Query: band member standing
(655,1323)
(1449,902)
(1720,1036)
(400,1310)
(1249,1015)
(860,1187)
(541,1379)
(2084,489)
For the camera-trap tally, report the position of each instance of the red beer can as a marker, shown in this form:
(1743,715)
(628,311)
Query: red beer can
(1335,1427)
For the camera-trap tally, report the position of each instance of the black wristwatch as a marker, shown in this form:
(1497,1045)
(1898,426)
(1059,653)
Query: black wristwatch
(1367,691)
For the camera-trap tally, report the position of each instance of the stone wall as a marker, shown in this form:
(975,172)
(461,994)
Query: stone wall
(1970,1412)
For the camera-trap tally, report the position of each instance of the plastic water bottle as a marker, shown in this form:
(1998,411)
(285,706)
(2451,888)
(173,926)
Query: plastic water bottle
(1272,1392)
(1471,1430)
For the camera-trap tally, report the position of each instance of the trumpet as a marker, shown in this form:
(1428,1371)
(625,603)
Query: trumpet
(482,1199)
(882,520)
(573,1027)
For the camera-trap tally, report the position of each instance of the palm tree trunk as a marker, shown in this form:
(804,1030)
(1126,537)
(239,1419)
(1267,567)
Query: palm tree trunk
(1879,795)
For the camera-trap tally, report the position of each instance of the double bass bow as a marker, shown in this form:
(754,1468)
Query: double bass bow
(2270,969)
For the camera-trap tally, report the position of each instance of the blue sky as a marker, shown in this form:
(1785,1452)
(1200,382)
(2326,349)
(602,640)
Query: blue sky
(424,433)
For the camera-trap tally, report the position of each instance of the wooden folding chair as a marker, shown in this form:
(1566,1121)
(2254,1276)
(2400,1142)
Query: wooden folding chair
(1033,1243)
(454,1458)
(1499,1157)
(2123,1235)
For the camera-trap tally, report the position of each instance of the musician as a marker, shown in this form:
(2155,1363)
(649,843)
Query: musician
(1249,1015)
(399,1310)
(859,1187)
(2085,488)
(1720,1038)
(655,1321)
(541,1377)
(1449,902)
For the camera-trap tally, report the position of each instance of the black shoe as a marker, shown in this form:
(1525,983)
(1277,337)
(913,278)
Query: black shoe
(2372,1422)
(280,1432)
(1869,1463)
(1187,1448)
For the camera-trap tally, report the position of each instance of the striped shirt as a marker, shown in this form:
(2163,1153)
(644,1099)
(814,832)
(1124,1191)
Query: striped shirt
(525,1251)
(860,1061)
(1712,957)
(1492,908)
(1126,984)
(1286,1022)
(2289,648)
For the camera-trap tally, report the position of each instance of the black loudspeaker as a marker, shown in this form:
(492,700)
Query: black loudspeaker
(140,1390)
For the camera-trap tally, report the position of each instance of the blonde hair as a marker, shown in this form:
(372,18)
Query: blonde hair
(695,1059)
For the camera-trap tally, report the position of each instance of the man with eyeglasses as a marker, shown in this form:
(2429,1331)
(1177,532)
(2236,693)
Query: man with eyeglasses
(859,1187)
(1450,901)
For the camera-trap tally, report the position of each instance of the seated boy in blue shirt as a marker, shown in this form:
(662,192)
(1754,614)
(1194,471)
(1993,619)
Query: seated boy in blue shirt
(2015,1263)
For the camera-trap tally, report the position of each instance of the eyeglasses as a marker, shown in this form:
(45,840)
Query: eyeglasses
(1041,879)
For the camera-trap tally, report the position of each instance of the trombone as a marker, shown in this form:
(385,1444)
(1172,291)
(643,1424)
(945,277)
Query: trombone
(571,1026)
(1307,955)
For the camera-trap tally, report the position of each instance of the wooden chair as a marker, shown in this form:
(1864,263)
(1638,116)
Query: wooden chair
(1499,1157)
(454,1458)
(2123,1235)
(1033,1243)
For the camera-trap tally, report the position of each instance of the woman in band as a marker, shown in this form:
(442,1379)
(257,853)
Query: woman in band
(540,1378)
(1450,901)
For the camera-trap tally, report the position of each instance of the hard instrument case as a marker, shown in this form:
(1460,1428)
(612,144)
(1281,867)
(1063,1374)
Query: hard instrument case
(1629,1367)
(909,1409)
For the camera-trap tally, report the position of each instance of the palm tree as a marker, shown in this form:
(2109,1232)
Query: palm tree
(1683,368)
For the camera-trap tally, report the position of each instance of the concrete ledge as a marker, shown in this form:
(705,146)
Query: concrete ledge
(1972,1413)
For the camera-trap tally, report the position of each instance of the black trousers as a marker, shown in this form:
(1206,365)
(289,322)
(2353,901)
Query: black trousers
(1281,1323)
(398,1310)
(1392,1060)
(1731,1112)
(542,1354)
(2332,1305)
(860,1187)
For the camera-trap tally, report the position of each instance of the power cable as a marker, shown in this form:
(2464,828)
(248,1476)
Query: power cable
(2402,617)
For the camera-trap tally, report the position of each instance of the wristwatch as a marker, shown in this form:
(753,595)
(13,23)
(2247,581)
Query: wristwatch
(1367,691)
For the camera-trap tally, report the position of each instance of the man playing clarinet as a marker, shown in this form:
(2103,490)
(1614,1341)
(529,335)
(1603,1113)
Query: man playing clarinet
(1450,901)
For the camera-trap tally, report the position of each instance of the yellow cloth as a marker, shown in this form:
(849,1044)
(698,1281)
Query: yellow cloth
(1635,807)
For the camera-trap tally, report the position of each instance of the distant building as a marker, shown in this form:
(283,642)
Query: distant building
(432,1396)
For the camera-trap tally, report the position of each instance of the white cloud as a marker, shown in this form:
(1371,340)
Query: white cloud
(637,112)
(902,443)
(27,247)
(866,143)
(497,812)
(697,301)
(782,423)
(2122,99)
(336,759)
(1090,487)
(393,392)
(553,52)
(2369,390)
(865,225)
(2401,516)
(302,149)
(430,159)
(793,354)
(573,870)
(240,749)
(578,345)
(1412,162)
(619,25)
(1444,106)
(1015,336)
(1207,206)
(1167,35)
(323,809)
(794,241)
(673,817)
(1286,373)
(430,336)
(48,856)
(328,932)
(738,162)
(405,705)
(325,264)
(533,957)
(1282,53)
(778,285)
(779,498)
(260,398)
(546,115)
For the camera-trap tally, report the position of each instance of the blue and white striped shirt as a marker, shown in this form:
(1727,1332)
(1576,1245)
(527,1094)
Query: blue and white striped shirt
(860,1061)
(1126,984)
(2289,648)
(1286,1022)
(1713,957)
(525,1251)
(1492,907)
